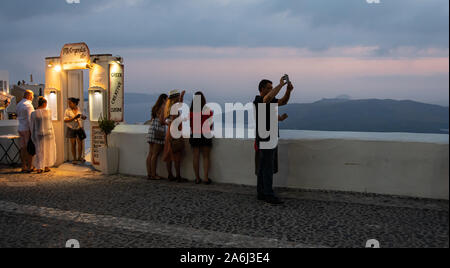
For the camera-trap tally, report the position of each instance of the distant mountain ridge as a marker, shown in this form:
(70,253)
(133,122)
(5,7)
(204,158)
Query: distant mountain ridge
(367,115)
(335,114)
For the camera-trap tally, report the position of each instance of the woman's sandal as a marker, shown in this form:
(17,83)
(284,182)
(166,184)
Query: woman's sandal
(172,178)
(208,182)
(29,170)
(182,180)
(198,181)
(156,178)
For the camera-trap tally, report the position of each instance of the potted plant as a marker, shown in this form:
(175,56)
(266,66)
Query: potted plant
(109,156)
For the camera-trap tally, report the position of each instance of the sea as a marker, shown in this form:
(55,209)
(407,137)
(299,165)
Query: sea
(139,113)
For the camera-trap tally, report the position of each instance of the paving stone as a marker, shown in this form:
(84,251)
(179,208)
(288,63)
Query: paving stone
(327,219)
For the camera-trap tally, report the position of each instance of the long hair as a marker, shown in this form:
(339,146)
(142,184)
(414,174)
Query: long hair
(198,93)
(170,102)
(157,107)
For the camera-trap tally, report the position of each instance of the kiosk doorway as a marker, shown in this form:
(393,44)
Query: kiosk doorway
(67,77)
(75,89)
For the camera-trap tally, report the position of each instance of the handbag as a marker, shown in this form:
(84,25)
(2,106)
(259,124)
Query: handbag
(81,134)
(31,149)
(177,145)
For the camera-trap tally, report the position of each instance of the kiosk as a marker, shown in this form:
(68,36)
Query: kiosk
(64,79)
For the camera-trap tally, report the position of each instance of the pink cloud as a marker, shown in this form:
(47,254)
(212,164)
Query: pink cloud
(302,67)
(327,74)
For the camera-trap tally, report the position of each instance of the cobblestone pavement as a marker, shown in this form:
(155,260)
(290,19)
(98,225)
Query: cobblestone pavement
(126,211)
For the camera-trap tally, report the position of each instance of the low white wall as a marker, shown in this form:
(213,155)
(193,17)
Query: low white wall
(416,169)
(8,127)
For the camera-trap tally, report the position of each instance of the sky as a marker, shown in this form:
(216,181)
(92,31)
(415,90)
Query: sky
(397,49)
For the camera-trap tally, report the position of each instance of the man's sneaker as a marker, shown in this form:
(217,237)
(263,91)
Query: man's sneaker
(274,200)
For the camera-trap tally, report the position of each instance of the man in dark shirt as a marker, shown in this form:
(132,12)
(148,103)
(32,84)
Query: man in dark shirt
(266,155)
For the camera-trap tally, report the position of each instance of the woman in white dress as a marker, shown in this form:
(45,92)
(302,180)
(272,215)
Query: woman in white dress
(43,137)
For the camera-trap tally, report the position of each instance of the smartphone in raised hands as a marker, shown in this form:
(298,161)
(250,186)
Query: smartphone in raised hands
(286,78)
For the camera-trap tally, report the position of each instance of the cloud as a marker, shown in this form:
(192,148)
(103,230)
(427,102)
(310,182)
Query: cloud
(312,24)
(18,10)
(195,52)
(236,75)
(336,42)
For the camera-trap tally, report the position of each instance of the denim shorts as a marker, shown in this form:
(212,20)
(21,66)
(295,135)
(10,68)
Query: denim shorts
(71,133)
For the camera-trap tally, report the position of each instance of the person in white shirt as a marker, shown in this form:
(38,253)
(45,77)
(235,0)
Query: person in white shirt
(43,137)
(73,119)
(24,110)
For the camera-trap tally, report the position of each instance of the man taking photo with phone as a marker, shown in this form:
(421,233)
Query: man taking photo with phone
(265,157)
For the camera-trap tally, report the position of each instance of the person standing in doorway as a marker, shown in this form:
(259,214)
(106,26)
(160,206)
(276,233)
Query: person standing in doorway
(266,157)
(75,133)
(43,137)
(24,110)
(156,137)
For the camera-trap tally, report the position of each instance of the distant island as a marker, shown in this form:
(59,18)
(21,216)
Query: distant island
(336,114)
(367,115)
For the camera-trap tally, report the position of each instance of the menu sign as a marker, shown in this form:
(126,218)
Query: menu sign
(98,77)
(98,141)
(75,56)
(116,92)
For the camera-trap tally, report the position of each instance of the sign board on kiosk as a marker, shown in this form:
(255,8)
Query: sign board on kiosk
(75,56)
(98,141)
(116,92)
(98,76)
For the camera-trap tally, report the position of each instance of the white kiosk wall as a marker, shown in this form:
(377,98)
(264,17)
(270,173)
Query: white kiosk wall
(64,76)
